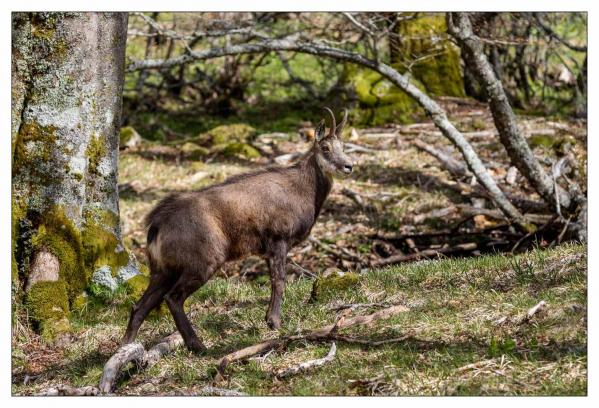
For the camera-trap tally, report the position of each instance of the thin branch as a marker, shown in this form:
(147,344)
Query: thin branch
(307,365)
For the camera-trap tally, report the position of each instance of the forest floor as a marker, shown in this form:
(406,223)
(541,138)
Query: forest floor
(465,333)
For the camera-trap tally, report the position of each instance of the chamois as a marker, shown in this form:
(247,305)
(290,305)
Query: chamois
(266,213)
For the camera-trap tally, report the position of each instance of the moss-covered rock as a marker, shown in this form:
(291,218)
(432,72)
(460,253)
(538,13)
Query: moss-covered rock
(434,61)
(193,151)
(427,57)
(238,149)
(128,137)
(325,287)
(224,134)
(379,101)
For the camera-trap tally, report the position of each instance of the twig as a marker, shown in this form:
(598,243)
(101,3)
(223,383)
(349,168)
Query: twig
(321,333)
(309,364)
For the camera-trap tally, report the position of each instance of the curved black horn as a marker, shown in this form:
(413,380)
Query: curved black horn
(334,124)
(343,122)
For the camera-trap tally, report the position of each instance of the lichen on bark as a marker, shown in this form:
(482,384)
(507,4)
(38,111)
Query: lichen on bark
(65,121)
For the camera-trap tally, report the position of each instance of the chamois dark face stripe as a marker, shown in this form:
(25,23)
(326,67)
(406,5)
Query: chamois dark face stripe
(265,212)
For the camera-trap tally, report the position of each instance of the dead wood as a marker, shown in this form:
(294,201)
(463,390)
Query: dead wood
(307,365)
(453,166)
(321,333)
(342,253)
(166,346)
(65,390)
(427,253)
(127,353)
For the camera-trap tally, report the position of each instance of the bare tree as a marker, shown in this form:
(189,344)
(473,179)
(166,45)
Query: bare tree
(68,71)
(460,26)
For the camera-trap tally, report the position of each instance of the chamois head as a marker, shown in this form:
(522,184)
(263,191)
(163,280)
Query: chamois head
(329,148)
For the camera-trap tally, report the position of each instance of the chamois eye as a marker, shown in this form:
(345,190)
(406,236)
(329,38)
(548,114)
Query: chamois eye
(325,149)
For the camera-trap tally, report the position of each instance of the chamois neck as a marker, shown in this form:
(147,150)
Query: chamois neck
(320,182)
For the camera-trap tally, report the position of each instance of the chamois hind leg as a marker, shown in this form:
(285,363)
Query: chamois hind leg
(187,284)
(159,285)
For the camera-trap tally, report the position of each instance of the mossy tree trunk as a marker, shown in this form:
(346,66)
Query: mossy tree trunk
(68,71)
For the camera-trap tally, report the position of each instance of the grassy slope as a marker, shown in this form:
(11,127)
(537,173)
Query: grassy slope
(454,306)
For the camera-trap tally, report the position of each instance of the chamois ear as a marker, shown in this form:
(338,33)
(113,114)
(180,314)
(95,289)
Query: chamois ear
(319,133)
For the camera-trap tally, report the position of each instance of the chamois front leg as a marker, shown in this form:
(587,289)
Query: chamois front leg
(276,265)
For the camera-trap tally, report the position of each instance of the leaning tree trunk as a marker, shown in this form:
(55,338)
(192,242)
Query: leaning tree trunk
(460,27)
(68,71)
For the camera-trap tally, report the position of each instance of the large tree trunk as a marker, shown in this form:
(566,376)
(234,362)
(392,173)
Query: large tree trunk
(460,27)
(68,71)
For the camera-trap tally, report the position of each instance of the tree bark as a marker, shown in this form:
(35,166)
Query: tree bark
(68,71)
(459,26)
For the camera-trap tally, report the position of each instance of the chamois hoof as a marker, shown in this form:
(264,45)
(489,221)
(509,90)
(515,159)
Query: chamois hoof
(197,347)
(273,323)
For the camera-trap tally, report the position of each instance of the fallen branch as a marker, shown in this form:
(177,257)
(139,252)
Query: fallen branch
(453,166)
(309,364)
(127,353)
(166,346)
(371,343)
(427,253)
(65,390)
(321,333)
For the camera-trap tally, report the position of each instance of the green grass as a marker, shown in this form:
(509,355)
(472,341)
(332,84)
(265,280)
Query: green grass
(455,305)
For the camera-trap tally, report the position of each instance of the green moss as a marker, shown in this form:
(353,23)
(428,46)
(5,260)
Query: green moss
(240,149)
(100,244)
(80,302)
(239,132)
(433,60)
(379,101)
(326,286)
(128,137)
(50,329)
(58,235)
(34,144)
(43,25)
(18,214)
(192,151)
(126,134)
(48,301)
(95,152)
